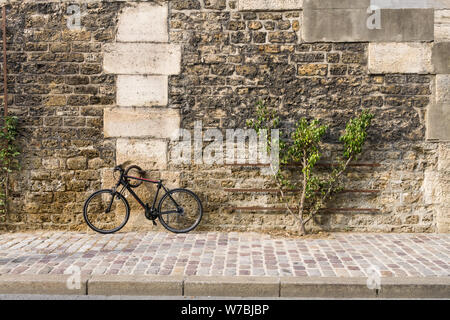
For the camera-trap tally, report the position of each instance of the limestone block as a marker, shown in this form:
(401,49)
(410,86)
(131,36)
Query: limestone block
(351,25)
(442,25)
(443,220)
(400,58)
(443,88)
(137,90)
(268,5)
(441,57)
(438,118)
(141,122)
(411,4)
(143,22)
(436,189)
(148,154)
(142,58)
(172,179)
(333,4)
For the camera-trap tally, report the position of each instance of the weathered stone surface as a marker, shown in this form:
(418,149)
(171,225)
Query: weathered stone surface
(400,58)
(332,4)
(141,122)
(136,285)
(143,22)
(325,287)
(185,4)
(443,88)
(32,284)
(442,25)
(436,188)
(148,153)
(232,286)
(411,4)
(438,118)
(341,25)
(142,58)
(231,59)
(76,163)
(137,90)
(441,58)
(268,5)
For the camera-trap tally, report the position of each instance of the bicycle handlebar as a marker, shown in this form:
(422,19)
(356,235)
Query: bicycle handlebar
(122,166)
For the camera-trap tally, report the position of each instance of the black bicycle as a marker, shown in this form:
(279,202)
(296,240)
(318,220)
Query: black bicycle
(107,211)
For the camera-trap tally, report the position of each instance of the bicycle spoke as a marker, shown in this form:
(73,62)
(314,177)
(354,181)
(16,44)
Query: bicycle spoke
(169,212)
(180,210)
(105,212)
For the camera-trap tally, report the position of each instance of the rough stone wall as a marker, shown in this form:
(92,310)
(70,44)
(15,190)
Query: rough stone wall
(115,91)
(58,89)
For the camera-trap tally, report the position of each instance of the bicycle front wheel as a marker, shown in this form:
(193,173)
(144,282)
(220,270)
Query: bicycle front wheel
(180,210)
(106,212)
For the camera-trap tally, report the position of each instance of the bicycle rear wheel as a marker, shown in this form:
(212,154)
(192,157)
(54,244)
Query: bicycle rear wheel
(180,210)
(106,212)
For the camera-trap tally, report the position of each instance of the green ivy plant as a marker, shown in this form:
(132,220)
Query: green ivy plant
(302,147)
(9,151)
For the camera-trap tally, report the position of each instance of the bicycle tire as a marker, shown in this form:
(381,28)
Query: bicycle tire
(106,201)
(193,204)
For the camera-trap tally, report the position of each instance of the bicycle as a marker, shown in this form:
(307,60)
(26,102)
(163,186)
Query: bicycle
(179,210)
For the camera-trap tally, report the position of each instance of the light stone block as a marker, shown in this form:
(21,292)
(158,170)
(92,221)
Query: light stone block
(438,118)
(442,25)
(336,4)
(146,153)
(443,88)
(141,122)
(142,58)
(143,22)
(137,90)
(355,25)
(441,57)
(400,58)
(268,5)
(411,4)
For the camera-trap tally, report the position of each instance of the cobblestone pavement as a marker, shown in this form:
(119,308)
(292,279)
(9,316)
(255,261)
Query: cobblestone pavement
(216,253)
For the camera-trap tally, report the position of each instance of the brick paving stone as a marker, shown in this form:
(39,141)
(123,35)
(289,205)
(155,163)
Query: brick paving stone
(229,254)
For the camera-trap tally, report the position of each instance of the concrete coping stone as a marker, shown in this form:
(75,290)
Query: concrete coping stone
(38,284)
(242,286)
(228,286)
(136,285)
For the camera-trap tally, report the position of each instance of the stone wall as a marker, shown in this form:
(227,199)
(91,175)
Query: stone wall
(120,88)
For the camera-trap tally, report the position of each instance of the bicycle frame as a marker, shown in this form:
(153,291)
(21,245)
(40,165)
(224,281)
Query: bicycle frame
(126,186)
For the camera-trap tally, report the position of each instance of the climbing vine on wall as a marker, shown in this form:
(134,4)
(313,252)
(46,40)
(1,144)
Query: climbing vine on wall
(303,146)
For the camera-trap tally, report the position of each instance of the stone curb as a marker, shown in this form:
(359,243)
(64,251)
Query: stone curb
(40,284)
(222,286)
(135,285)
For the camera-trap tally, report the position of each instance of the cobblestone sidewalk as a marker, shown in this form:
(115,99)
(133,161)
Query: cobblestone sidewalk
(228,254)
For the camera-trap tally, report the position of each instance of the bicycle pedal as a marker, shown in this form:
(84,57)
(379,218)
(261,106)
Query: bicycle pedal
(154,223)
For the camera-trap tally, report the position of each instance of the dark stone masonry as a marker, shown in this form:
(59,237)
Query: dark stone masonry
(230,59)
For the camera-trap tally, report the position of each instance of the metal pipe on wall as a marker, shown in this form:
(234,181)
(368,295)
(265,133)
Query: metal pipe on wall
(5,74)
